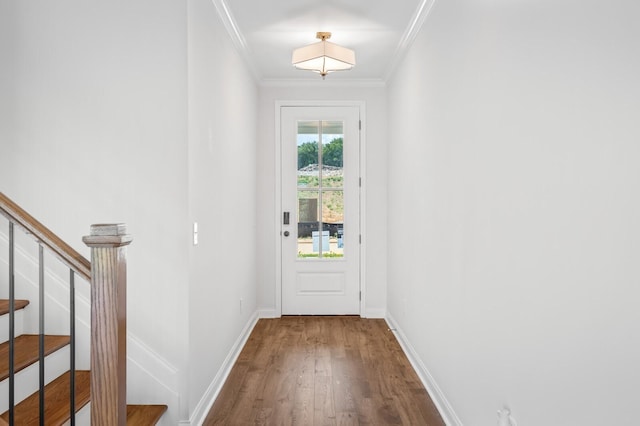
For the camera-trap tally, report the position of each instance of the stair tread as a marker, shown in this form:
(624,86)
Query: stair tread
(56,394)
(56,405)
(18,303)
(143,415)
(26,351)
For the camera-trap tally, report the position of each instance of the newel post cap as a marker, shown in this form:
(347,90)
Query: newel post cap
(108,235)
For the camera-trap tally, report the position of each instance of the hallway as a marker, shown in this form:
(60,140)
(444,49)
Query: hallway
(322,371)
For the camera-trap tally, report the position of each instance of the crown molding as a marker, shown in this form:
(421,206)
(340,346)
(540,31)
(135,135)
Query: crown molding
(416,23)
(229,22)
(317,82)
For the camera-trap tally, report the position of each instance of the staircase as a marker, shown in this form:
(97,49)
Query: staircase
(23,382)
(57,391)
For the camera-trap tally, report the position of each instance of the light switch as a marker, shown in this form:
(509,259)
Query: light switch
(195,233)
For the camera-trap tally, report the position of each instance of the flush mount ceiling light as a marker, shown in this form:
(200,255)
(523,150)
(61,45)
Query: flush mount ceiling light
(323,57)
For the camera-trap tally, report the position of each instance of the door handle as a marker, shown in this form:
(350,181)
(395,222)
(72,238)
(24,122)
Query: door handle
(286,233)
(285,218)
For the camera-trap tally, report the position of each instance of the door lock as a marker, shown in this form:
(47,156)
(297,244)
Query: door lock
(286,233)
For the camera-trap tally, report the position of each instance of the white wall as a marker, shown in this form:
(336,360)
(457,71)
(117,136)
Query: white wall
(222,194)
(93,117)
(93,128)
(513,167)
(376,186)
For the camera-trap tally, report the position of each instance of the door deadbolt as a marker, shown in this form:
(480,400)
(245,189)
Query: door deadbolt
(286,233)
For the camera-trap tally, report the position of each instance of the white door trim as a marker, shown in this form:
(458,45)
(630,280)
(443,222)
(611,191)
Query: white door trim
(278,195)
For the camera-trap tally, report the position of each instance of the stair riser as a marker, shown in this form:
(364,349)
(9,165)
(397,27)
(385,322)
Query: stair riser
(83,417)
(4,325)
(28,380)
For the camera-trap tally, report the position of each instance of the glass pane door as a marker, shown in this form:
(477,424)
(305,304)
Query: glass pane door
(320,215)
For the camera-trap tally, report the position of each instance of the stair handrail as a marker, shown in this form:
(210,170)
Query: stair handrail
(62,250)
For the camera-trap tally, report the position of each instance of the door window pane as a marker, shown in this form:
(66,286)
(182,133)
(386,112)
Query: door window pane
(332,155)
(320,189)
(333,221)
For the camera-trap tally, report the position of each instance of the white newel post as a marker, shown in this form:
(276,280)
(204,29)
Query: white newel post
(108,323)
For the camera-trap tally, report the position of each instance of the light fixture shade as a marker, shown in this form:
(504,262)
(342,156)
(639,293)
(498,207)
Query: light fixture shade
(323,57)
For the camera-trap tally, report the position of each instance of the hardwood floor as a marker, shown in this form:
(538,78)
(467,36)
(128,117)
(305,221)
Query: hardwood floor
(322,371)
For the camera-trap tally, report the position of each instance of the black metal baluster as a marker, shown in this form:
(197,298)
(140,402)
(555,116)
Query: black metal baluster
(72,356)
(12,331)
(41,320)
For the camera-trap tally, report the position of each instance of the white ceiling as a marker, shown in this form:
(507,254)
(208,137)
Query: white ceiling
(267,31)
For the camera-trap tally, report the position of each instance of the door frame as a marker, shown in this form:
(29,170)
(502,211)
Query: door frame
(278,194)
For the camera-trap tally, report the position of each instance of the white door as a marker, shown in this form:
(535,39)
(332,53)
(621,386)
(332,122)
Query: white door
(320,229)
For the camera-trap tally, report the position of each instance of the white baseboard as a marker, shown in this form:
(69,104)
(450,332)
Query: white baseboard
(267,313)
(375,313)
(152,363)
(444,408)
(369,313)
(209,397)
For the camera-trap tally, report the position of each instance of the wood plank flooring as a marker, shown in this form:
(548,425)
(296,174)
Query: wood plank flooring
(321,371)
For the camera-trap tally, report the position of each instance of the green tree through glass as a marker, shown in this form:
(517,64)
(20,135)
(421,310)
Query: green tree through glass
(331,153)
(307,154)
